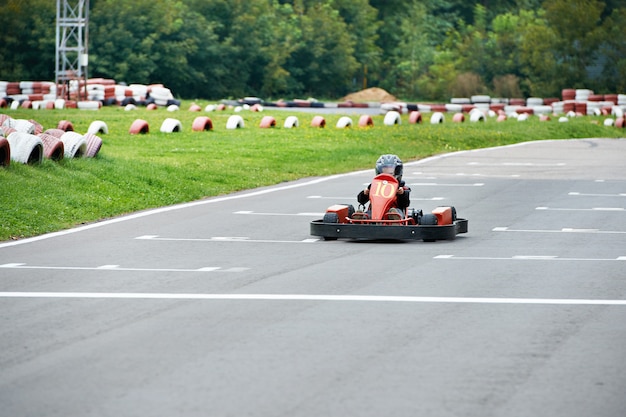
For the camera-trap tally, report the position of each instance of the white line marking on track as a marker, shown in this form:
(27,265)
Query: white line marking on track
(311,297)
(349,198)
(223,239)
(118,268)
(582,209)
(597,195)
(517,164)
(527,258)
(278,214)
(440,184)
(563,230)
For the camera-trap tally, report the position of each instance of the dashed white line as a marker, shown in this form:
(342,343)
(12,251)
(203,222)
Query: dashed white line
(527,258)
(581,209)
(563,230)
(313,297)
(597,195)
(223,239)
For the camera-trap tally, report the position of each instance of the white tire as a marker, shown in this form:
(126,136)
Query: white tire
(344,122)
(98,127)
(75,145)
(476,116)
(170,125)
(173,107)
(234,122)
(25,148)
(437,118)
(392,118)
(291,121)
(609,122)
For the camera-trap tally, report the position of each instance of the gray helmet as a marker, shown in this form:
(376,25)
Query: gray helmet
(389,164)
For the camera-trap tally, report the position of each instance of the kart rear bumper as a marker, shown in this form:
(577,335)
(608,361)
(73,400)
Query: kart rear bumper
(331,231)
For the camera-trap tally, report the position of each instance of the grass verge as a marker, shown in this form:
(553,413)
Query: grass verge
(136,172)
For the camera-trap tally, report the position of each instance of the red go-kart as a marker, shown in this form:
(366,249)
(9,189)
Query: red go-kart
(383,221)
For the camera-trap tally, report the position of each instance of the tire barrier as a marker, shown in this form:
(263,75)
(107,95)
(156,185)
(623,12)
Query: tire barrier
(256,108)
(609,122)
(130,107)
(563,119)
(522,117)
(392,118)
(209,108)
(366,121)
(38,126)
(75,145)
(195,107)
(173,107)
(476,116)
(139,126)
(53,148)
(66,125)
(151,106)
(318,121)
(23,125)
(94,143)
(57,133)
(234,122)
(170,125)
(291,122)
(5,152)
(544,118)
(501,118)
(201,123)
(98,127)
(267,121)
(415,117)
(436,118)
(458,118)
(89,105)
(620,123)
(25,148)
(344,122)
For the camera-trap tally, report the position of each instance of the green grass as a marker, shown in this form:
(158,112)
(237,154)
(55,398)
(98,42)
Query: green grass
(136,172)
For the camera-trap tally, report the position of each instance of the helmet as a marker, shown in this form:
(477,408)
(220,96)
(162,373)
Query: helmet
(389,164)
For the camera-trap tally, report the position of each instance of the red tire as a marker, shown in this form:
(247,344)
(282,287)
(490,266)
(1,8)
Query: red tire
(366,121)
(201,123)
(66,126)
(5,152)
(318,121)
(53,148)
(415,117)
(620,123)
(267,122)
(94,143)
(57,133)
(195,107)
(458,118)
(139,126)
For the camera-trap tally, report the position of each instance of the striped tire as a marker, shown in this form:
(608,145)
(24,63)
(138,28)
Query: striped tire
(25,148)
(75,145)
(170,125)
(392,118)
(5,152)
(291,121)
(234,122)
(139,126)
(53,148)
(344,122)
(366,121)
(267,122)
(415,117)
(94,143)
(318,121)
(202,123)
(98,127)
(66,125)
(57,133)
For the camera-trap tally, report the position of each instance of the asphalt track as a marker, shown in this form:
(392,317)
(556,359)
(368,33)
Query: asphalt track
(228,307)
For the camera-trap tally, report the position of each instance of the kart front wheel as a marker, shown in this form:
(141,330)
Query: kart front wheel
(330,218)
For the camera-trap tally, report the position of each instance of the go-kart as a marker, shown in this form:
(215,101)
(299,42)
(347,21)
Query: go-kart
(383,221)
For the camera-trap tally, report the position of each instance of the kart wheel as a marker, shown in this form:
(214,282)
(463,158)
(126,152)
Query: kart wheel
(350,210)
(428,219)
(453,214)
(331,218)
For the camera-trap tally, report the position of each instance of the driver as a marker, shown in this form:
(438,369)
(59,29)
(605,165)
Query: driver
(390,164)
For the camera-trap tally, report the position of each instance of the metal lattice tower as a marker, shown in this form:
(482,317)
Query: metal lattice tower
(72,57)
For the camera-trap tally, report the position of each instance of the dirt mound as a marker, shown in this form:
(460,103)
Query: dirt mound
(370,94)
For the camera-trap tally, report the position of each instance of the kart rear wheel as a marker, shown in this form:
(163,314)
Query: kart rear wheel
(330,218)
(428,219)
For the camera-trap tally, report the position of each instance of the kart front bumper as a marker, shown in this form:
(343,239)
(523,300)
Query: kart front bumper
(332,231)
